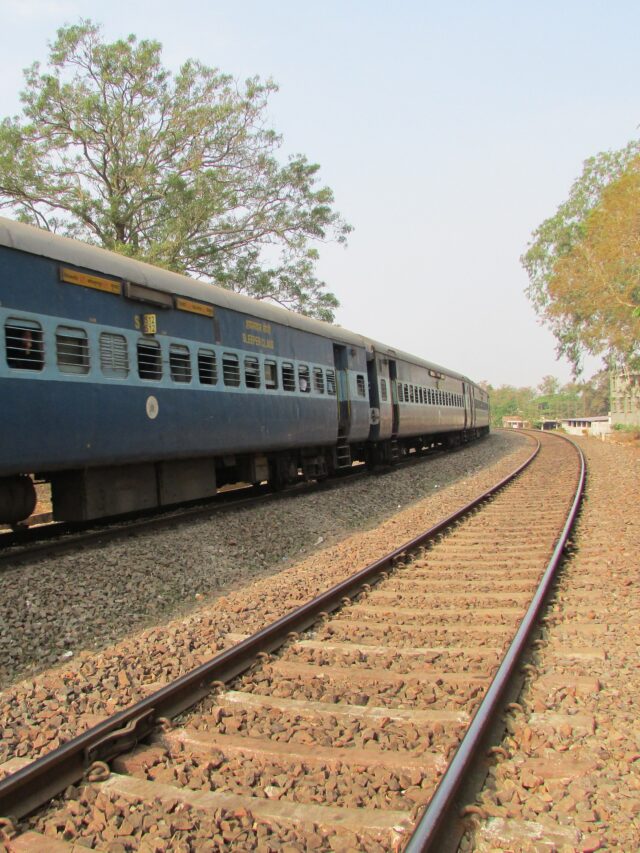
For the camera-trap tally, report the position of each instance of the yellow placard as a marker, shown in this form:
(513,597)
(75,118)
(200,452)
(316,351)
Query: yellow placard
(194,307)
(107,285)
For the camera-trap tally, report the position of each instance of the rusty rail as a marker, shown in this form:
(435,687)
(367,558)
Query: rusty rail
(432,829)
(27,789)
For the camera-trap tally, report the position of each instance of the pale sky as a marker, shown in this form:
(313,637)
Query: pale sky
(447,131)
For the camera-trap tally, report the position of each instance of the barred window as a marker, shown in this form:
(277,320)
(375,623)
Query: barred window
(411,398)
(114,357)
(230,369)
(318,380)
(270,375)
(251,371)
(383,390)
(149,360)
(180,363)
(72,350)
(207,367)
(331,382)
(288,377)
(303,378)
(360,387)
(24,344)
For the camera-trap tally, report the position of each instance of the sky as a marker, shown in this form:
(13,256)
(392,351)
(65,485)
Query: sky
(447,131)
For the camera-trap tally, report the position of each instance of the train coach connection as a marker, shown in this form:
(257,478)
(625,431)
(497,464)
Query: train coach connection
(129,387)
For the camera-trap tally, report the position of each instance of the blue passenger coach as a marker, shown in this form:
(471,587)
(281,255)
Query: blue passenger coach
(127,386)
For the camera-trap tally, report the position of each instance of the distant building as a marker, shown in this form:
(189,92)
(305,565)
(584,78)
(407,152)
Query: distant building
(594,425)
(625,398)
(549,424)
(515,422)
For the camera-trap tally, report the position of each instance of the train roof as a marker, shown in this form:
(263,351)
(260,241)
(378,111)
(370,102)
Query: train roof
(38,241)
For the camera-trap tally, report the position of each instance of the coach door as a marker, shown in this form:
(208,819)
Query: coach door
(342,387)
(465,401)
(393,376)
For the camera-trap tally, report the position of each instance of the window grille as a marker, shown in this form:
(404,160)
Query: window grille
(24,344)
(270,375)
(251,371)
(318,380)
(207,367)
(360,388)
(149,360)
(383,390)
(180,363)
(288,377)
(114,357)
(303,378)
(230,369)
(72,350)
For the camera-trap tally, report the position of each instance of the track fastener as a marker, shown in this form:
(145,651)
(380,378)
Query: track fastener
(98,772)
(474,810)
(8,828)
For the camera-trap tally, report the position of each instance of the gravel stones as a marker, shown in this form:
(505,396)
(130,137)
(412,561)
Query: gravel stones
(572,778)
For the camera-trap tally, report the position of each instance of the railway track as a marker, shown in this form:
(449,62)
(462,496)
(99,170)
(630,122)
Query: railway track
(337,738)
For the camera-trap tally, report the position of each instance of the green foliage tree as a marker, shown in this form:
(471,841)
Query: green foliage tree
(564,238)
(177,170)
(550,400)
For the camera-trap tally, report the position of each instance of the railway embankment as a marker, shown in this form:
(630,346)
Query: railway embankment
(569,775)
(192,590)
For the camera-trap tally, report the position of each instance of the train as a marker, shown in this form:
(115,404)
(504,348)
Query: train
(128,387)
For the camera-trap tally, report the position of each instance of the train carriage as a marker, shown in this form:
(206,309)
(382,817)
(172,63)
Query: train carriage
(128,386)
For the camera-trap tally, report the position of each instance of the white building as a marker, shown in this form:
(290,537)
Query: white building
(594,425)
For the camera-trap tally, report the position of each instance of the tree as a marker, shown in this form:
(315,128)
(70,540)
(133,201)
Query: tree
(177,170)
(595,287)
(560,238)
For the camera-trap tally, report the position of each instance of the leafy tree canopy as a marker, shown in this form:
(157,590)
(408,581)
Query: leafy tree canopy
(550,400)
(177,170)
(584,262)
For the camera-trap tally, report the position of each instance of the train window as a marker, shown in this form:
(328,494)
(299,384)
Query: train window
(288,377)
(180,363)
(360,386)
(411,396)
(331,383)
(383,390)
(24,344)
(251,371)
(420,395)
(114,358)
(72,350)
(230,369)
(149,359)
(270,375)
(318,380)
(303,378)
(207,367)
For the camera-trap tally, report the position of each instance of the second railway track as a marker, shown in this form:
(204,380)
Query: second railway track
(337,741)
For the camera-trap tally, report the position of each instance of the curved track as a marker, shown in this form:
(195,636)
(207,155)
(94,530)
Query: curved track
(340,740)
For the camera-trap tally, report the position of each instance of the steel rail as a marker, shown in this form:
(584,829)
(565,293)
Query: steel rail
(32,786)
(428,833)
